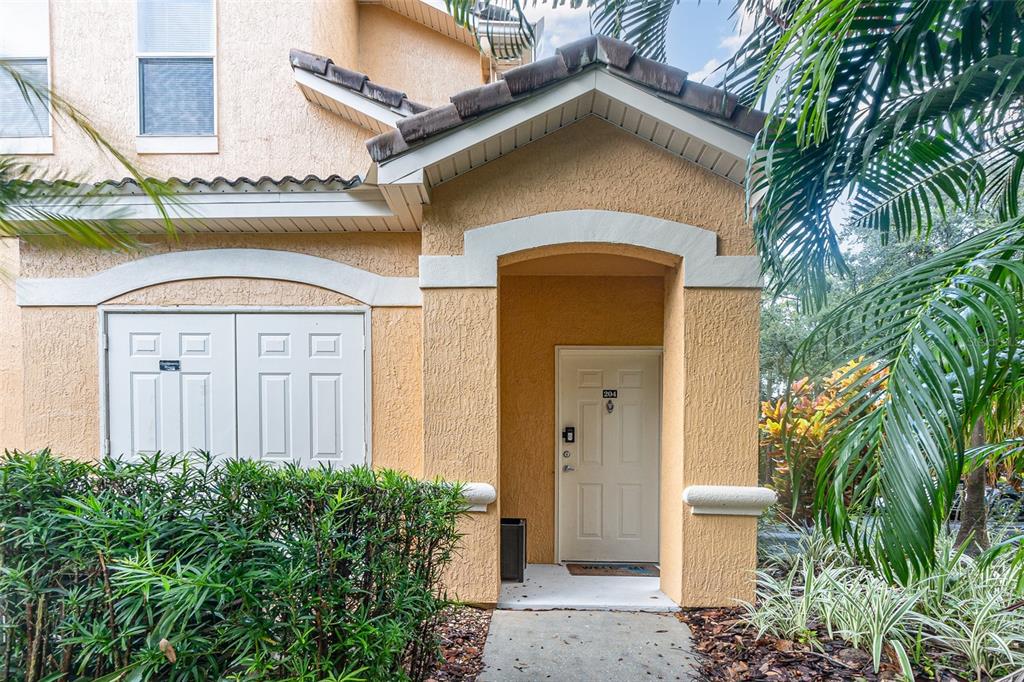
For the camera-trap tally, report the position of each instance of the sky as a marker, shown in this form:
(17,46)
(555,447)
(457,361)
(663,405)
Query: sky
(701,34)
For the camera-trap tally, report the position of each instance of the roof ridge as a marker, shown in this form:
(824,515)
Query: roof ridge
(618,57)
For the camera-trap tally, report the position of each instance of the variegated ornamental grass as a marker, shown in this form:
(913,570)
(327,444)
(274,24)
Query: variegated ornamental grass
(968,611)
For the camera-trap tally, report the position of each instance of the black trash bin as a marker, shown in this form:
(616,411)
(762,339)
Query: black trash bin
(513,550)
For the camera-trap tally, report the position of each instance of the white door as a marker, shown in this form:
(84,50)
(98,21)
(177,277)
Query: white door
(171,383)
(301,388)
(280,387)
(608,476)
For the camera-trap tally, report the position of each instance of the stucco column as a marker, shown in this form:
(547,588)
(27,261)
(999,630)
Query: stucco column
(460,422)
(709,438)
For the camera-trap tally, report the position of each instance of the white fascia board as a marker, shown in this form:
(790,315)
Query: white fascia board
(727,141)
(218,206)
(362,285)
(487,127)
(387,117)
(733,143)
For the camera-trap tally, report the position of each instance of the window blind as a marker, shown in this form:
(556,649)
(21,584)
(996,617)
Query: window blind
(176,26)
(24,113)
(177,96)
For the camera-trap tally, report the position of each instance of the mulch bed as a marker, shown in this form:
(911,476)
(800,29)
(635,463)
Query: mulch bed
(463,631)
(730,652)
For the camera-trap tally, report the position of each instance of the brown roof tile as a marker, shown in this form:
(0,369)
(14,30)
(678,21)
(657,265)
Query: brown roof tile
(535,75)
(355,81)
(429,122)
(618,57)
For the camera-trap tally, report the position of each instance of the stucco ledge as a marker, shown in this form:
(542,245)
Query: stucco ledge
(478,496)
(728,500)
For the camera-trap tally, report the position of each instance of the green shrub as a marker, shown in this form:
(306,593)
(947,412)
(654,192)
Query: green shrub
(177,568)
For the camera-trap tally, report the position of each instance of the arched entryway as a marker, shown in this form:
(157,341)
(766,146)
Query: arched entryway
(495,317)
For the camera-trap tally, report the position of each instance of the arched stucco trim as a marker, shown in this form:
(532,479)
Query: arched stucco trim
(362,285)
(478,266)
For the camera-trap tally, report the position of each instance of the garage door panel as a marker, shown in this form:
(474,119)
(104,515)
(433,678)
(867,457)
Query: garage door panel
(326,416)
(170,383)
(274,417)
(196,414)
(275,386)
(314,411)
(145,412)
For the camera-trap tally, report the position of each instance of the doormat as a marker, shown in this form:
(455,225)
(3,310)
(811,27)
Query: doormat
(629,570)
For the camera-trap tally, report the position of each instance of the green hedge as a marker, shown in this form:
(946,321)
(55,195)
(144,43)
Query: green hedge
(177,568)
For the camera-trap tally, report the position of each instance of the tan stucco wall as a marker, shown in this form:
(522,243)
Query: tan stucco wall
(590,164)
(537,314)
(392,254)
(710,339)
(64,414)
(264,124)
(720,406)
(401,53)
(460,419)
(11,363)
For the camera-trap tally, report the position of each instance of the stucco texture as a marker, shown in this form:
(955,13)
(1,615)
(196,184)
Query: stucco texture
(537,314)
(393,254)
(588,165)
(264,124)
(64,413)
(11,361)
(429,67)
(709,335)
(720,406)
(460,420)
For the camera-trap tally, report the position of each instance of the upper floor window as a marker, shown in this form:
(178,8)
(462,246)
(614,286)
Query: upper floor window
(25,78)
(176,51)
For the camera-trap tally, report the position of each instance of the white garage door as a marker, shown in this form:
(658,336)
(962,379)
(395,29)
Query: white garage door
(275,386)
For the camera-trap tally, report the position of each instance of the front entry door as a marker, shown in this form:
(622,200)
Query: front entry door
(608,473)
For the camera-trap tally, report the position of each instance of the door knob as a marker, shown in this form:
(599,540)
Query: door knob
(568,467)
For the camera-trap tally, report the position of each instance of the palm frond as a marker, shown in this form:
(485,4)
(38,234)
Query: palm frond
(501,27)
(642,23)
(37,201)
(935,344)
(906,105)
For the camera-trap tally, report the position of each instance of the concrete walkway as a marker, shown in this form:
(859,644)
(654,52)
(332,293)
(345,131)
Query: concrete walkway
(587,646)
(550,586)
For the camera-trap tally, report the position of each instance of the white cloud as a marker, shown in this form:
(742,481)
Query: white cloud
(561,25)
(705,71)
(731,43)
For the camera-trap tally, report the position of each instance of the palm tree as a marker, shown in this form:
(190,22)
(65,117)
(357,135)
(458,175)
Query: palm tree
(37,201)
(895,112)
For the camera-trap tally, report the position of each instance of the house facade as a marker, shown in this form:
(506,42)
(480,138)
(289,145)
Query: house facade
(534,277)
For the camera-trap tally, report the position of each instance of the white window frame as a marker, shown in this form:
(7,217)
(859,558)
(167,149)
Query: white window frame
(40,144)
(176,144)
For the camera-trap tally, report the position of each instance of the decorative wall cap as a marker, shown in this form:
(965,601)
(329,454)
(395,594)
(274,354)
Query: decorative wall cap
(479,495)
(478,265)
(728,500)
(362,285)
